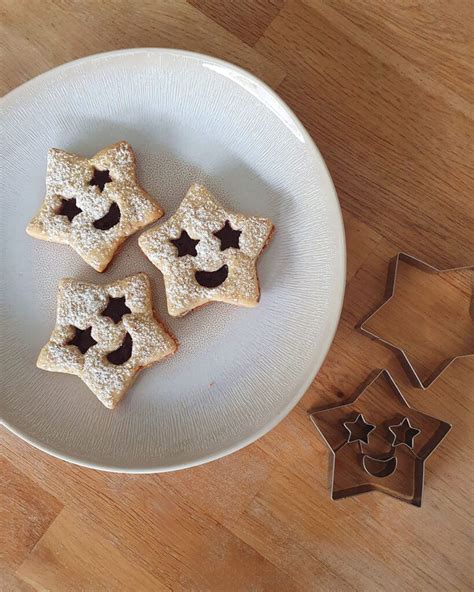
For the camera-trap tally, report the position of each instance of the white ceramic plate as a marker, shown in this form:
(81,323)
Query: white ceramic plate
(239,371)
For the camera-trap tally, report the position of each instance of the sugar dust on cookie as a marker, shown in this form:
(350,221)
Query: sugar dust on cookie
(106,334)
(93,204)
(207,253)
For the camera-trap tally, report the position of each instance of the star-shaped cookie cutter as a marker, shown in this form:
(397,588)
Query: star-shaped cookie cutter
(382,412)
(390,289)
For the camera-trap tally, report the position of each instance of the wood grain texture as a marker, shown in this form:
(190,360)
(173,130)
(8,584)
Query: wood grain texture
(385,88)
(247,19)
(436,45)
(85,558)
(26,512)
(54,32)
(153,527)
(397,152)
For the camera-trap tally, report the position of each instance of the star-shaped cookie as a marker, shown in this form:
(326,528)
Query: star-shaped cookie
(106,334)
(207,253)
(379,442)
(93,204)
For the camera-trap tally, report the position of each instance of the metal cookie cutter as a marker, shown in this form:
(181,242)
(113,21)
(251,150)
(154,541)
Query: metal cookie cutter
(378,442)
(389,293)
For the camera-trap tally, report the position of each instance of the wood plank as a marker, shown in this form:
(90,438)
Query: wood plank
(72,555)
(224,488)
(431,42)
(26,511)
(361,241)
(262,527)
(40,35)
(372,518)
(400,157)
(246,19)
(150,521)
(379,540)
(10,582)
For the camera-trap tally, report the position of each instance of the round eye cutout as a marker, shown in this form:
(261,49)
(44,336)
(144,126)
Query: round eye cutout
(358,429)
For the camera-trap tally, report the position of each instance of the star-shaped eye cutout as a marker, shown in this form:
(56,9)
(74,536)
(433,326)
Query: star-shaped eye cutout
(185,244)
(116,308)
(83,339)
(358,429)
(403,433)
(228,236)
(105,191)
(69,209)
(100,179)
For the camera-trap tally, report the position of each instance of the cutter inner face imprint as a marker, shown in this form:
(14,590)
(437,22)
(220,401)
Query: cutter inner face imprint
(378,442)
(376,464)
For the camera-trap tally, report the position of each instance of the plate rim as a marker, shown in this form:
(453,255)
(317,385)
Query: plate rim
(319,355)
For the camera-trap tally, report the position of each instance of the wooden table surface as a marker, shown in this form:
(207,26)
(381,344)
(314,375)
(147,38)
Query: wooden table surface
(385,88)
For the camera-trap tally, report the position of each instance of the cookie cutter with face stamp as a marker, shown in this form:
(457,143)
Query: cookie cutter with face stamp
(389,293)
(378,442)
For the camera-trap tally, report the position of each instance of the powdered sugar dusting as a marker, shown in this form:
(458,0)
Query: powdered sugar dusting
(201,216)
(68,177)
(80,305)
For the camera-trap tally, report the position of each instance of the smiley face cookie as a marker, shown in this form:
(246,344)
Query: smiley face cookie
(93,204)
(207,253)
(106,334)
